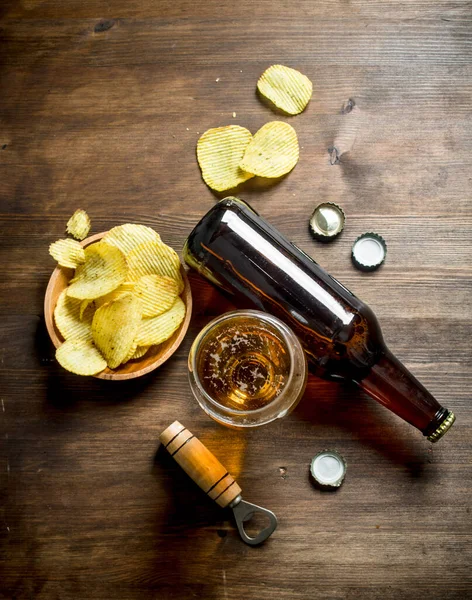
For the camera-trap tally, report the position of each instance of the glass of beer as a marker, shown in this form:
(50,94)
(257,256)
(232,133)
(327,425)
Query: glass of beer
(247,368)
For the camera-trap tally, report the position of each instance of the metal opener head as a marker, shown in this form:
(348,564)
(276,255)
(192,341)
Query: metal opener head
(244,511)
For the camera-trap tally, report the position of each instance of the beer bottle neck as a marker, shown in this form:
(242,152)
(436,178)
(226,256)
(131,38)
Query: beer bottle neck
(391,384)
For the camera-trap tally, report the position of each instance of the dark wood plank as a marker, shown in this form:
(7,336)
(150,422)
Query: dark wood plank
(101,107)
(212,9)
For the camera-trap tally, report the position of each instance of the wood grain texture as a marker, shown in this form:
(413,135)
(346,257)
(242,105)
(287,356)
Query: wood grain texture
(101,105)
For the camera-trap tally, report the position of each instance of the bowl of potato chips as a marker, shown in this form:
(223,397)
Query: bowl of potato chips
(118,304)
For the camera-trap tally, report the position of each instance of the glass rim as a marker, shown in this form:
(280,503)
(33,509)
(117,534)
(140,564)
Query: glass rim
(281,328)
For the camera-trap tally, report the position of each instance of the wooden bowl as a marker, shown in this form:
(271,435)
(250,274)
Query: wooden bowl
(155,356)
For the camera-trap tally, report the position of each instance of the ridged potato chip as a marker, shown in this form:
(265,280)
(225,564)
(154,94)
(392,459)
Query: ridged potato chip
(83,305)
(140,352)
(273,151)
(159,329)
(68,253)
(114,328)
(78,225)
(127,286)
(104,270)
(219,152)
(131,352)
(154,258)
(287,88)
(69,321)
(128,236)
(157,294)
(80,357)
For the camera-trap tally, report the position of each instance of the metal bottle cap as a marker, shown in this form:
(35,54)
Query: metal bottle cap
(327,221)
(328,469)
(443,428)
(369,251)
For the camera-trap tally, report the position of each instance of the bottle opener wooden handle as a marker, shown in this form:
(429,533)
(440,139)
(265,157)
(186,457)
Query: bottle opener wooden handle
(200,464)
(212,477)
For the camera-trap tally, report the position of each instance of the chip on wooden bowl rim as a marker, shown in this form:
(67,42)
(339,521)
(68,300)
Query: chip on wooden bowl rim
(155,356)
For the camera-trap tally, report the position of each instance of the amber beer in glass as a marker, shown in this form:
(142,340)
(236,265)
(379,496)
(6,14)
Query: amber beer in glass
(236,249)
(247,368)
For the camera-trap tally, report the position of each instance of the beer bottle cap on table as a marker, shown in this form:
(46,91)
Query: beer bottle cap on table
(369,251)
(327,221)
(328,469)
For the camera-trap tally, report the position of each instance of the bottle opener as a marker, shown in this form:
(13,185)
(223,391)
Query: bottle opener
(212,477)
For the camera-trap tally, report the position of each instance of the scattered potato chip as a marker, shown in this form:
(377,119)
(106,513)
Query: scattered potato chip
(128,236)
(287,88)
(69,321)
(273,151)
(80,357)
(155,258)
(68,253)
(140,352)
(79,225)
(114,328)
(219,153)
(157,294)
(104,270)
(159,329)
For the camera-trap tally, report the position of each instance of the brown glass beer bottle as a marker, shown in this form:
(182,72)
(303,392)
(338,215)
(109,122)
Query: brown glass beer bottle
(235,248)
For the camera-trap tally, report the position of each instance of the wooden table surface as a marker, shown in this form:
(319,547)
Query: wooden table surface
(101,107)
